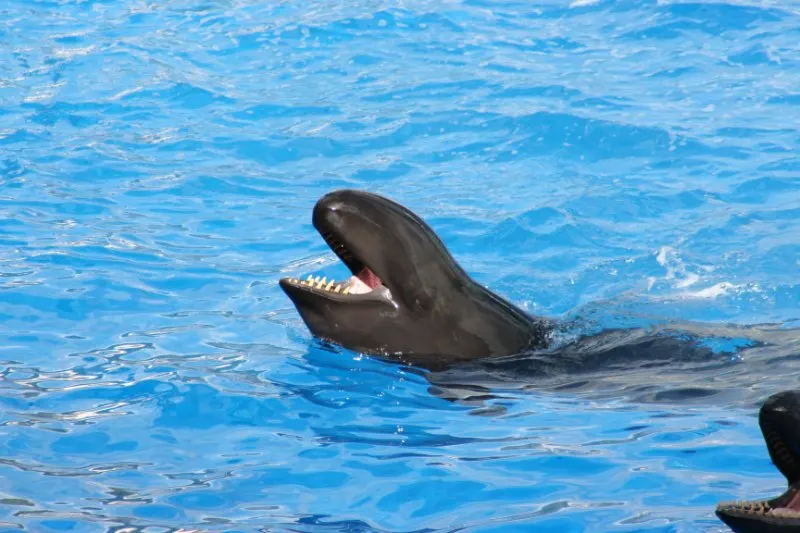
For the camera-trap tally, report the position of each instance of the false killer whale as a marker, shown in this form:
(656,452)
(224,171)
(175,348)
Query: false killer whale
(779,419)
(408,298)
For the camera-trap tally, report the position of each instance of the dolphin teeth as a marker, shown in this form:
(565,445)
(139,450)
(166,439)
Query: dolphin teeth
(346,290)
(338,288)
(310,278)
(329,285)
(324,280)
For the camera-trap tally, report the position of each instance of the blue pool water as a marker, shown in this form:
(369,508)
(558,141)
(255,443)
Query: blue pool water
(613,162)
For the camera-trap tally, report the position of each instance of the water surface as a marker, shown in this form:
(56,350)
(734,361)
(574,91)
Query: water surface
(608,162)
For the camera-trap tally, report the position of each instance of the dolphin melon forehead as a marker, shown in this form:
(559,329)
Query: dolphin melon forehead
(353,200)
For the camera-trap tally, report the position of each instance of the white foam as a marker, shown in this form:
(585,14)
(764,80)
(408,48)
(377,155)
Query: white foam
(668,258)
(715,291)
(681,278)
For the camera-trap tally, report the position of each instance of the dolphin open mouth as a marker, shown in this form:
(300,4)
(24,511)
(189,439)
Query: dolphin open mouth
(362,284)
(779,419)
(783,512)
(363,281)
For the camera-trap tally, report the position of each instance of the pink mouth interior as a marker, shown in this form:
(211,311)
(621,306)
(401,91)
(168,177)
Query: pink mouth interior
(369,278)
(794,503)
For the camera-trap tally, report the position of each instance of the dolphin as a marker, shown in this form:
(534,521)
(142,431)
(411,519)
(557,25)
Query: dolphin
(779,419)
(407,299)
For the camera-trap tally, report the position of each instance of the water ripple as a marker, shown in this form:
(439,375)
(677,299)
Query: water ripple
(613,163)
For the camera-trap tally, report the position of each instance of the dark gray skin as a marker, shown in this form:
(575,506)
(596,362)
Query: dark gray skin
(779,419)
(423,309)
(427,310)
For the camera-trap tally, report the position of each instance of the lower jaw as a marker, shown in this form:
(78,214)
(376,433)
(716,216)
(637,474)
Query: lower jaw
(760,523)
(778,514)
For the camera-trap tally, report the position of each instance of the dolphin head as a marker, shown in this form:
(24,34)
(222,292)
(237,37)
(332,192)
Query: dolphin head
(779,419)
(407,296)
